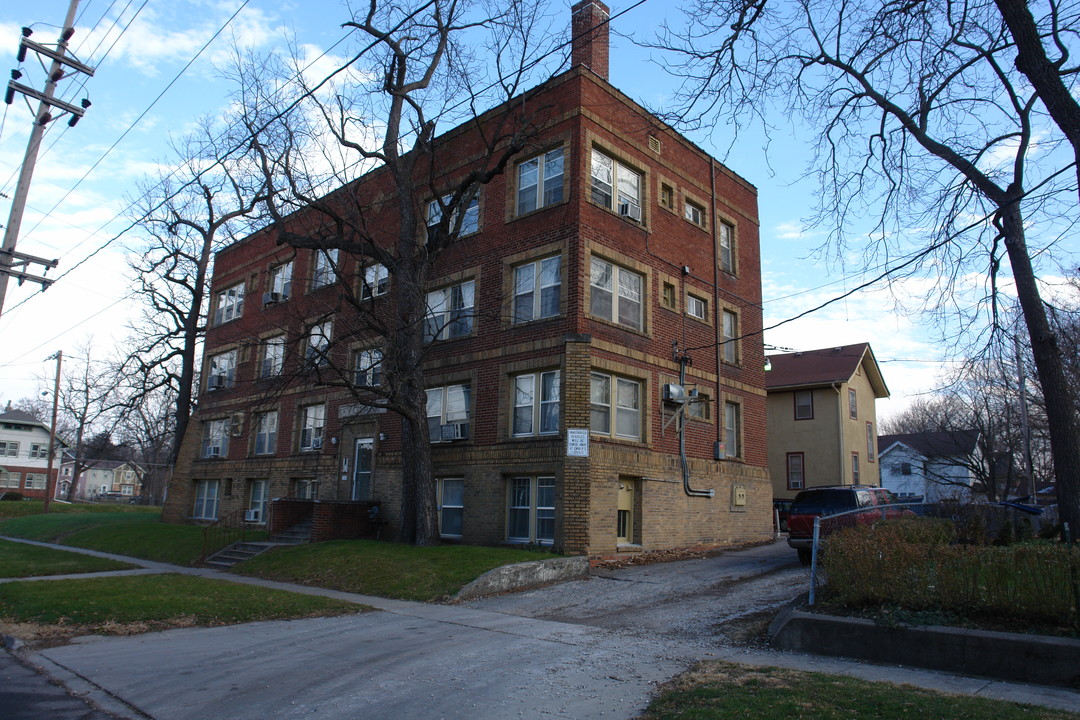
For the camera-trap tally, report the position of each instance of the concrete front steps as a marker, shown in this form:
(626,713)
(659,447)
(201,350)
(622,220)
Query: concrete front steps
(238,552)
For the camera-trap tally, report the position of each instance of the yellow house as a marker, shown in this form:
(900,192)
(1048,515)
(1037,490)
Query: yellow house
(822,423)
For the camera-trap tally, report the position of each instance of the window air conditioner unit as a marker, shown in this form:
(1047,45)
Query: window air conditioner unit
(215,382)
(631,211)
(271,297)
(454,431)
(251,516)
(213,452)
(236,424)
(675,393)
(316,444)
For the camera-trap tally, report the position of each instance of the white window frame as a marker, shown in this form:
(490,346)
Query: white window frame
(39,450)
(694,212)
(540,181)
(280,282)
(535,282)
(450,312)
(448,405)
(266,428)
(206,500)
(794,483)
(367,367)
(523,498)
(34,481)
(451,504)
(611,293)
(730,332)
(855,474)
(215,436)
(616,186)
(536,404)
(325,270)
(9,448)
(230,304)
(312,427)
(732,429)
(470,221)
(871,442)
(10,480)
(727,247)
(697,307)
(273,361)
(603,404)
(223,368)
(317,346)
(853,404)
(376,282)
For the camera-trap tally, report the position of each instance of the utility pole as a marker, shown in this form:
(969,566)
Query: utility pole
(9,259)
(52,430)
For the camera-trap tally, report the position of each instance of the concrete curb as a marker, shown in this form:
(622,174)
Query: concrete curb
(1016,657)
(524,575)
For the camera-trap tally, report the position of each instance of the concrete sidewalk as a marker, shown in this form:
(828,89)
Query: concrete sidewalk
(417,660)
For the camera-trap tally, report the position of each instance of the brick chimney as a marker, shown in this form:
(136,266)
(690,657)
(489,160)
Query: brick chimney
(589,27)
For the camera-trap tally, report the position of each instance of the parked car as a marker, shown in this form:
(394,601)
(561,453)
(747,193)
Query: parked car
(878,503)
(781,510)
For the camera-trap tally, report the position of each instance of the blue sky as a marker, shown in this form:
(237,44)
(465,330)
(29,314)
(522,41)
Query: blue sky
(87,175)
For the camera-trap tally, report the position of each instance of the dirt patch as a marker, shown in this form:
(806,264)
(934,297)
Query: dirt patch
(751,631)
(663,556)
(36,636)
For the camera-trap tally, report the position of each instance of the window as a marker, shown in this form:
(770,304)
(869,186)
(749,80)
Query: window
(35,481)
(627,406)
(871,449)
(616,186)
(732,430)
(905,468)
(257,496)
(280,285)
(450,312)
(694,213)
(9,449)
(312,422)
(376,281)
(325,272)
(266,433)
(536,289)
(39,450)
(273,356)
(305,489)
(316,354)
(222,371)
(727,248)
(206,500)
(536,404)
(795,463)
(215,441)
(230,304)
(854,468)
(668,297)
(624,306)
(367,368)
(731,334)
(698,407)
(470,221)
(448,413)
(10,480)
(540,181)
(530,513)
(804,404)
(697,307)
(667,196)
(853,404)
(451,494)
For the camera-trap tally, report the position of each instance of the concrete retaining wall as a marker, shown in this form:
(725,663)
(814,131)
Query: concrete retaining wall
(1007,656)
(524,575)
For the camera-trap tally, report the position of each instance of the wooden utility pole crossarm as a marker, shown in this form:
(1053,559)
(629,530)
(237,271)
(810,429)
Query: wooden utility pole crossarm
(9,259)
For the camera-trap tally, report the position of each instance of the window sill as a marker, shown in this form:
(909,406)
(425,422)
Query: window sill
(619,326)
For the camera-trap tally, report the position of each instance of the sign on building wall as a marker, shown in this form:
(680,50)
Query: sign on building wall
(577,443)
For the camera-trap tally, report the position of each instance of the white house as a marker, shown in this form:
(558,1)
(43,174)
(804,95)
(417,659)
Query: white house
(931,465)
(24,454)
(102,477)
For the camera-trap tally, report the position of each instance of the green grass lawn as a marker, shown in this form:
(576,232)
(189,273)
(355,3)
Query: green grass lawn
(19,560)
(151,602)
(718,691)
(371,567)
(20,508)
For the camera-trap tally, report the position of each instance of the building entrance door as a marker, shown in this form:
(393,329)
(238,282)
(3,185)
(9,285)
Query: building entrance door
(363,467)
(625,520)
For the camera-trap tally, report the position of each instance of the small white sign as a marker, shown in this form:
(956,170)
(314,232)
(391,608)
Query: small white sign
(577,443)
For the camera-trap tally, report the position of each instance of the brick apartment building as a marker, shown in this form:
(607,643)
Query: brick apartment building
(608,240)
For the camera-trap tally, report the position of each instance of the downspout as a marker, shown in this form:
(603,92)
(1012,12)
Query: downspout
(684,360)
(717,453)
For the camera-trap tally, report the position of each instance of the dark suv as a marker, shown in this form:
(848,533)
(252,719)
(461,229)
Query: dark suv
(878,503)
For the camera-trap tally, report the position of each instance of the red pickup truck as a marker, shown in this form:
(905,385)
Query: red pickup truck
(875,503)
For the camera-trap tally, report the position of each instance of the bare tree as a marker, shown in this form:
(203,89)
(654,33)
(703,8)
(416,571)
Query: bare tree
(424,67)
(927,125)
(184,218)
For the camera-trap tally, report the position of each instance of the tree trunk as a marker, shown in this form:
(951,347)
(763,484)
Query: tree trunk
(1064,445)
